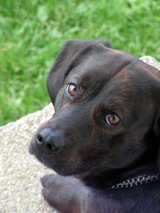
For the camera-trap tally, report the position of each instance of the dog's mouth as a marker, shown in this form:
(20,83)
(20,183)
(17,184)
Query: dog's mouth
(61,162)
(64,167)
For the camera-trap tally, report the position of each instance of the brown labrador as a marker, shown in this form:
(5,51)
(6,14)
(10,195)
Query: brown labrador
(104,137)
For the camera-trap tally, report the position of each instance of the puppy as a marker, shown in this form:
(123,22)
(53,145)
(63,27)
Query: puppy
(104,137)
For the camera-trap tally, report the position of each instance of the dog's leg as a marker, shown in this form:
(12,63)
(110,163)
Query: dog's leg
(64,193)
(69,195)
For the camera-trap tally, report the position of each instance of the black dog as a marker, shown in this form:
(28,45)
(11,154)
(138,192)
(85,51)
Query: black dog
(105,132)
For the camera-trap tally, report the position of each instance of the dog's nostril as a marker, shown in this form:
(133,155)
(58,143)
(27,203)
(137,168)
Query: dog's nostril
(39,139)
(49,146)
(52,147)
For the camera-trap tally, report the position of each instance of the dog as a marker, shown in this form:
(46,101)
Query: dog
(103,140)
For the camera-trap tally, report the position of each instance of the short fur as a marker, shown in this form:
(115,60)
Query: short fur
(89,154)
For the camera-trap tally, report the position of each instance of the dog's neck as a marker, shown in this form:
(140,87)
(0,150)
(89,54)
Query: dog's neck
(122,178)
(143,167)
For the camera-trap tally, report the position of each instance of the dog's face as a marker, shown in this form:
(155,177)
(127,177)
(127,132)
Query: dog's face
(106,110)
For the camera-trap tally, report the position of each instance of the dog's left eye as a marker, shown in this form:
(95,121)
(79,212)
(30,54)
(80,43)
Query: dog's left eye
(72,89)
(112,119)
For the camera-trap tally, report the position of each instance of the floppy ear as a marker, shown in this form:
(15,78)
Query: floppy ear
(64,63)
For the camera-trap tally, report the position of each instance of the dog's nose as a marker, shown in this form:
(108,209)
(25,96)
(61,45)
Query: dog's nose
(48,141)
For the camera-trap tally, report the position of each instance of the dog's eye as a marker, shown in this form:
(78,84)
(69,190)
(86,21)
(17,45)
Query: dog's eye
(72,89)
(112,119)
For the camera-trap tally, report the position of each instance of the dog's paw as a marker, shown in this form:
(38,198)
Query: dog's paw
(51,186)
(47,180)
(60,192)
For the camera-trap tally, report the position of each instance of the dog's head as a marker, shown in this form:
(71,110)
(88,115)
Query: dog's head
(107,111)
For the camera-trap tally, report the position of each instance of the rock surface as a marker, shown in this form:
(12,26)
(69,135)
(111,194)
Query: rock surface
(20,188)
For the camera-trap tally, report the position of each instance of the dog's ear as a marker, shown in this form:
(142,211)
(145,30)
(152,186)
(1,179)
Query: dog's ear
(72,51)
(106,43)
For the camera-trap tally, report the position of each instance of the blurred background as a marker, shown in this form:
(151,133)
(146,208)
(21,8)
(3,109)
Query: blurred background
(33,31)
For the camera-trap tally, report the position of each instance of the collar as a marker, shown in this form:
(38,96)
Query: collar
(136,181)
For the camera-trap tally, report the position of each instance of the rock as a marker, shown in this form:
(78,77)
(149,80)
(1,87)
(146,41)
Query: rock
(151,61)
(20,188)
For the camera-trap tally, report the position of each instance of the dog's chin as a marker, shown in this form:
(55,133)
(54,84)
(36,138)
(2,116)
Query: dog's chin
(64,168)
(61,167)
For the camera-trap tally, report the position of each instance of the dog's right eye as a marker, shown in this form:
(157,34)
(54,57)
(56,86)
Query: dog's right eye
(72,89)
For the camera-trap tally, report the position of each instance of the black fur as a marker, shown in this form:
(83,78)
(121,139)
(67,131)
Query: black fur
(79,140)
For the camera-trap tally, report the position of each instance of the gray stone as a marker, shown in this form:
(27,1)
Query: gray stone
(20,188)
(151,61)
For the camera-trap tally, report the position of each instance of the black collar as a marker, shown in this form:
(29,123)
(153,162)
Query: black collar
(136,181)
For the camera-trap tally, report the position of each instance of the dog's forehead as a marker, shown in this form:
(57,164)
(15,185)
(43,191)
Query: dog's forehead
(107,65)
(102,64)
(117,73)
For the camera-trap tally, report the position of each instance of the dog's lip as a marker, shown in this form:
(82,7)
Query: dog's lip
(31,149)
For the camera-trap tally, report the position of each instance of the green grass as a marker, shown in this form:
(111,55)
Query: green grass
(33,31)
